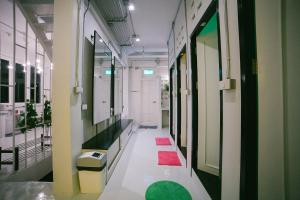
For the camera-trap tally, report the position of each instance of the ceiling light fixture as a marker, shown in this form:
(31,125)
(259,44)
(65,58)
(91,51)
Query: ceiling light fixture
(100,40)
(131,7)
(136,38)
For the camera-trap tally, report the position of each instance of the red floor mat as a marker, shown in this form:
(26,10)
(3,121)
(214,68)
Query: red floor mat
(162,141)
(168,158)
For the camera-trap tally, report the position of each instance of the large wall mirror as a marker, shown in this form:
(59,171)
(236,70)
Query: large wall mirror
(102,80)
(207,103)
(118,87)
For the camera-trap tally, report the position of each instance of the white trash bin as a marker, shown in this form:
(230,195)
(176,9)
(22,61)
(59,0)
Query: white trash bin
(92,172)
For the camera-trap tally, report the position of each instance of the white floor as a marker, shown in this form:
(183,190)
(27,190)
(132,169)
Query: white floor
(138,168)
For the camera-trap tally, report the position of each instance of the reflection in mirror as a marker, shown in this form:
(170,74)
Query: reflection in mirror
(118,87)
(209,107)
(102,80)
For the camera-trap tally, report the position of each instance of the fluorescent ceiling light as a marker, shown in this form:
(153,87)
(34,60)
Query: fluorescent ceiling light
(131,7)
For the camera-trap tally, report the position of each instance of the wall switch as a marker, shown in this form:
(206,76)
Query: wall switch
(227,84)
(78,90)
(84,107)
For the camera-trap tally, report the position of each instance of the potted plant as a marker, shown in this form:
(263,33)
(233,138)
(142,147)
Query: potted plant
(31,117)
(47,115)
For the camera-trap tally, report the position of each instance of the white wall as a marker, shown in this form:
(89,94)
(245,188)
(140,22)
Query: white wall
(291,67)
(231,99)
(270,85)
(278,68)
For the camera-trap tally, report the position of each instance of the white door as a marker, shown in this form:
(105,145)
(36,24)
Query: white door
(135,94)
(150,102)
(208,103)
(183,96)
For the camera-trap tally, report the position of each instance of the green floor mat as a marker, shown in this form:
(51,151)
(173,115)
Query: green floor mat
(167,190)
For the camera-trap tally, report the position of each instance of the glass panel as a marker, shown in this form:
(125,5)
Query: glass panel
(31,48)
(20,28)
(4,81)
(6,74)
(102,82)
(20,83)
(118,90)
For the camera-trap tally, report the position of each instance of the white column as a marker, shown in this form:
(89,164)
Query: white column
(64,59)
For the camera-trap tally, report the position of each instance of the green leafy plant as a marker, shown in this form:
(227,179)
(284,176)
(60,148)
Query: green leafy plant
(166,87)
(31,117)
(47,113)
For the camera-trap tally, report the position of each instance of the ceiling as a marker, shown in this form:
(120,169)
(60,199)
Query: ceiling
(151,21)
(39,14)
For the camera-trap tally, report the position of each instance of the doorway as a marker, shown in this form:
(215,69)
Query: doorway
(182,102)
(150,102)
(172,103)
(207,102)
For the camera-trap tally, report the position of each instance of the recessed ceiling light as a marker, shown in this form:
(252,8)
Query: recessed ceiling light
(131,7)
(100,40)
(10,66)
(136,38)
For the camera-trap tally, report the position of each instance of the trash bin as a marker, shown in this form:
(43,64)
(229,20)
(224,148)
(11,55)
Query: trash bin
(92,172)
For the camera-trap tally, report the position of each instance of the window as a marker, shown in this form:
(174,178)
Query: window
(20,84)
(38,85)
(148,72)
(4,81)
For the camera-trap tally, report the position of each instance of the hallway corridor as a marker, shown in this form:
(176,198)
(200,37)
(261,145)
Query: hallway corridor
(138,168)
(149,100)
